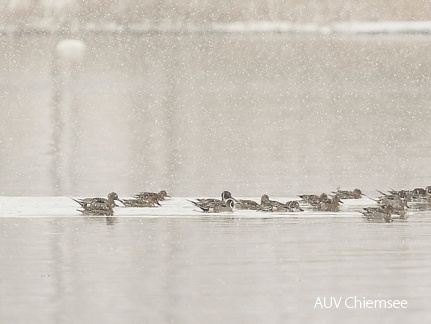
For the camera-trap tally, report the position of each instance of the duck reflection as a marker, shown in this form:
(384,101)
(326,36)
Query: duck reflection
(110,220)
(68,54)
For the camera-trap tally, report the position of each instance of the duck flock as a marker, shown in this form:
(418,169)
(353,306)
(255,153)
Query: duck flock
(391,205)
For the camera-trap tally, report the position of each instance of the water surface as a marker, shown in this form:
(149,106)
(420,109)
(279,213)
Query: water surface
(175,264)
(197,114)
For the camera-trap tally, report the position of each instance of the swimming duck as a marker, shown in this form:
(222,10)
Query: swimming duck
(215,207)
(313,200)
(161,195)
(419,192)
(407,194)
(151,201)
(224,196)
(381,213)
(271,205)
(417,195)
(330,204)
(246,204)
(86,202)
(395,201)
(293,206)
(345,194)
(98,206)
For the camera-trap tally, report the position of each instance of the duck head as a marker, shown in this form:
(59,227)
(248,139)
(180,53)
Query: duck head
(357,193)
(225,195)
(113,196)
(164,194)
(264,198)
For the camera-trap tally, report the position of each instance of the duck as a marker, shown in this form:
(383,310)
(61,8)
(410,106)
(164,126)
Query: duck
(419,192)
(421,195)
(395,201)
(313,200)
(86,202)
(151,201)
(407,194)
(98,206)
(224,196)
(268,205)
(161,195)
(330,204)
(345,194)
(415,195)
(247,204)
(378,214)
(294,206)
(215,207)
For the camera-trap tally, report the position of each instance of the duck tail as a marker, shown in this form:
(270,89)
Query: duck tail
(193,202)
(381,192)
(79,202)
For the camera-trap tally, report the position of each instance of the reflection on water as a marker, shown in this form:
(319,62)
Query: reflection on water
(283,114)
(65,118)
(188,267)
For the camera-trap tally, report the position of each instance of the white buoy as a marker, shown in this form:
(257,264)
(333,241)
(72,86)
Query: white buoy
(70,50)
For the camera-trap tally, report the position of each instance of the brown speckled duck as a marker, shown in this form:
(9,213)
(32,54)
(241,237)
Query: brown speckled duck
(151,201)
(98,206)
(161,195)
(330,204)
(313,200)
(269,205)
(247,204)
(345,194)
(378,214)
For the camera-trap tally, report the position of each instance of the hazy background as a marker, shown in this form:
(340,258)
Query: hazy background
(158,100)
(204,11)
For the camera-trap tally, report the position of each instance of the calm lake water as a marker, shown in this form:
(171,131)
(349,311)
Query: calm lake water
(175,264)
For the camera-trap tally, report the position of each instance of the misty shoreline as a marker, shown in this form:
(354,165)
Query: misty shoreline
(356,27)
